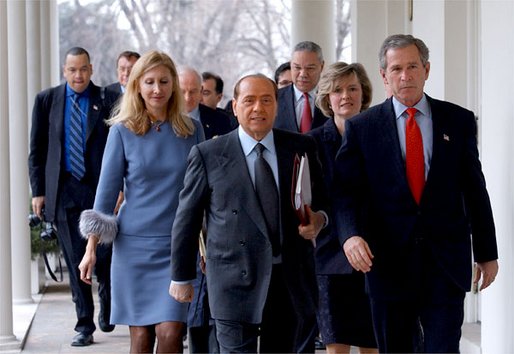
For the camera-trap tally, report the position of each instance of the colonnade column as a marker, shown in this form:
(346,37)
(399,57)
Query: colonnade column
(372,22)
(313,20)
(18,137)
(497,88)
(7,338)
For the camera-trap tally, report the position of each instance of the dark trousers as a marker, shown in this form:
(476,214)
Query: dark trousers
(74,197)
(203,339)
(429,320)
(281,329)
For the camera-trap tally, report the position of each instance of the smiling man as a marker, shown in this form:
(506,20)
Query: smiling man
(260,270)
(296,109)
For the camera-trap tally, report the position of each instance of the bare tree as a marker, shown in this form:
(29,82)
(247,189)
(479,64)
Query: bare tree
(228,37)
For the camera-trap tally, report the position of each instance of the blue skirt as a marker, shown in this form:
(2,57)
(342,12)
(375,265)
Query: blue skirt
(140,279)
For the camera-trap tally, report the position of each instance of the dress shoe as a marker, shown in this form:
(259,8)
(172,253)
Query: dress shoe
(104,317)
(82,340)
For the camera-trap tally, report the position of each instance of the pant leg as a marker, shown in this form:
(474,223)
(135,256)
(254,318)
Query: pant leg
(279,327)
(73,247)
(396,325)
(236,337)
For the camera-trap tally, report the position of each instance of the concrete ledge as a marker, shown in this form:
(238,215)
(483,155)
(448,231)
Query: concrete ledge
(23,314)
(470,342)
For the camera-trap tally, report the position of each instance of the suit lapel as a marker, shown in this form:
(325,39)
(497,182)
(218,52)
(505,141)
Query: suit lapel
(233,162)
(389,133)
(285,158)
(57,112)
(440,136)
(289,108)
(95,107)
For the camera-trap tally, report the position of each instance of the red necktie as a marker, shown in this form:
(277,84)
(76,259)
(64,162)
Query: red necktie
(414,158)
(306,121)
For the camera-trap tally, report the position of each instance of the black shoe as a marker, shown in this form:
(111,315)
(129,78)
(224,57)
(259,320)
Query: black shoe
(82,340)
(104,317)
(318,344)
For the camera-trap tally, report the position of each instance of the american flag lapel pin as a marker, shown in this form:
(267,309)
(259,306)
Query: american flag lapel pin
(95,107)
(446,137)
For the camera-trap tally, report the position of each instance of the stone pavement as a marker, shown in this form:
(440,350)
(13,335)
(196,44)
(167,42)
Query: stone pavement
(46,327)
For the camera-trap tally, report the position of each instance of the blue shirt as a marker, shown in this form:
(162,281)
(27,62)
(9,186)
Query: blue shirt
(424,120)
(270,154)
(83,102)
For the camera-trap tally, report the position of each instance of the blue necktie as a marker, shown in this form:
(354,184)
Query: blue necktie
(76,141)
(267,193)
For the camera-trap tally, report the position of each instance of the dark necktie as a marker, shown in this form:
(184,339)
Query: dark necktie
(267,193)
(414,158)
(76,141)
(306,121)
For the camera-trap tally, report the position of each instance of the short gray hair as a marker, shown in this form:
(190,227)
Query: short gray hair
(401,41)
(308,46)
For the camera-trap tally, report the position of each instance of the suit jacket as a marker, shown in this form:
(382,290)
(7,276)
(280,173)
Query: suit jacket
(115,87)
(330,258)
(214,123)
(46,157)
(239,256)
(286,114)
(454,204)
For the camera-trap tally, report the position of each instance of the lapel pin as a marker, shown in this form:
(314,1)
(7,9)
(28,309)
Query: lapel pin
(446,137)
(95,107)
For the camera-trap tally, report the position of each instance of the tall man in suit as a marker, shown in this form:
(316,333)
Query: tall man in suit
(201,329)
(64,172)
(214,123)
(412,192)
(296,109)
(260,271)
(124,64)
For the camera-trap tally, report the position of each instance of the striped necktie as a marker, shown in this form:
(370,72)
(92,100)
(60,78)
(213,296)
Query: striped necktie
(76,151)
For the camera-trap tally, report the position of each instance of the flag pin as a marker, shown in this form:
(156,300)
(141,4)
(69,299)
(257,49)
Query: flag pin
(446,137)
(95,107)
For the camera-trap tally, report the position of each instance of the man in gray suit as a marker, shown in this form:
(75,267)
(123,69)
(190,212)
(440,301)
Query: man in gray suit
(260,282)
(62,191)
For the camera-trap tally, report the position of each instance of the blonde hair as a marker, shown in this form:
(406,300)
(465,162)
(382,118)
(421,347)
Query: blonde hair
(131,110)
(332,75)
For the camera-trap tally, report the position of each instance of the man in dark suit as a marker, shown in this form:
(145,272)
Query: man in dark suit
(124,64)
(412,191)
(64,187)
(201,329)
(212,94)
(294,101)
(214,123)
(260,277)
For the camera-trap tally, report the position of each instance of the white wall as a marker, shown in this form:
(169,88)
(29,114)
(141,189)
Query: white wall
(497,131)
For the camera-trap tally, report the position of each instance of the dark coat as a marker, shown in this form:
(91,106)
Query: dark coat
(454,204)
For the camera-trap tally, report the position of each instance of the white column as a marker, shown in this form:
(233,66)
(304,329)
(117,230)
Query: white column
(18,137)
(372,22)
(313,20)
(497,92)
(34,52)
(7,338)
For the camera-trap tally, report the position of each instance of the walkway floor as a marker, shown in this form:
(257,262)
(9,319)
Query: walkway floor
(46,327)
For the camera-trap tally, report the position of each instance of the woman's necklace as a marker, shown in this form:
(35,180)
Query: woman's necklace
(157,124)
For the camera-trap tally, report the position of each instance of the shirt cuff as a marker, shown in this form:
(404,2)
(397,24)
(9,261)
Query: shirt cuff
(325,224)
